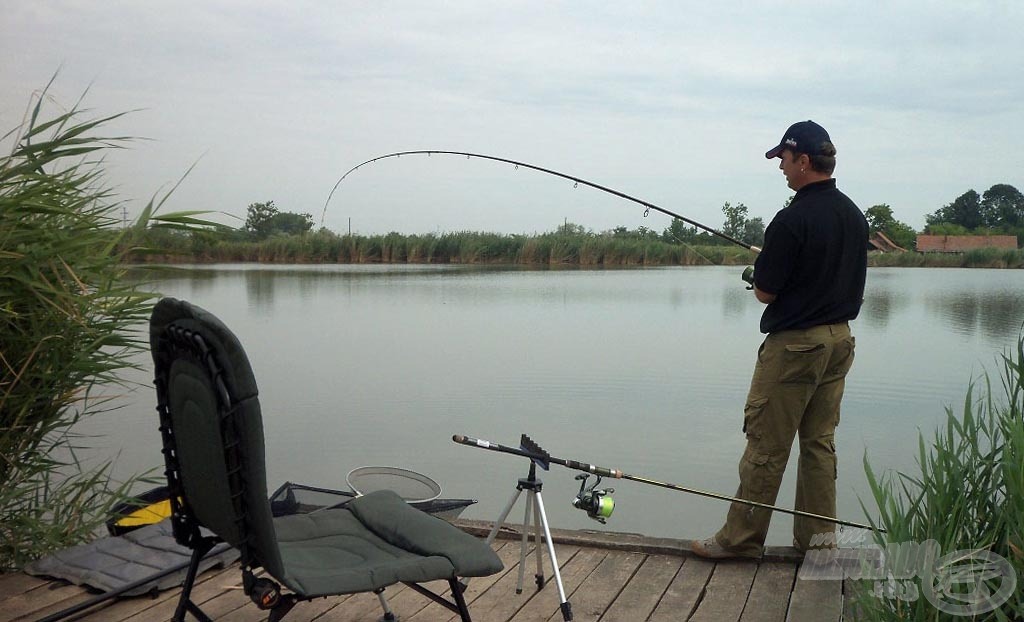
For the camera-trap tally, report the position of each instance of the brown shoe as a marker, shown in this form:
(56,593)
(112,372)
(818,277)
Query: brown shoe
(711,549)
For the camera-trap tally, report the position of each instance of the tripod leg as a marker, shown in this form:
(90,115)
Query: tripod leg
(524,541)
(539,575)
(565,606)
(501,519)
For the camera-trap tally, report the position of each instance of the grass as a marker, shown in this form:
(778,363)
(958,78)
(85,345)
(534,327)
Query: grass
(969,495)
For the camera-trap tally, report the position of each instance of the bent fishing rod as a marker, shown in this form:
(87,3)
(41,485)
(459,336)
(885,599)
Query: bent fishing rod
(576,180)
(531,450)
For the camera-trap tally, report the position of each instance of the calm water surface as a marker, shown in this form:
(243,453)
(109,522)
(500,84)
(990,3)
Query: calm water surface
(641,370)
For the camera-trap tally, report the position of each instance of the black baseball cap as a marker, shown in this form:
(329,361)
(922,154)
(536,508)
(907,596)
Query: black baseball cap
(803,137)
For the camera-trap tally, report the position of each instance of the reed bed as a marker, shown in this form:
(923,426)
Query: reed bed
(67,322)
(978,258)
(464,247)
(968,496)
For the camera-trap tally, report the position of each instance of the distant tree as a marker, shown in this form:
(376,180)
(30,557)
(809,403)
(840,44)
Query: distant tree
(946,228)
(738,226)
(965,211)
(753,232)
(571,228)
(1002,205)
(880,218)
(678,233)
(290,223)
(735,219)
(258,216)
(264,220)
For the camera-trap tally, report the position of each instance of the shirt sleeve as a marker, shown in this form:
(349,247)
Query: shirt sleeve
(776,261)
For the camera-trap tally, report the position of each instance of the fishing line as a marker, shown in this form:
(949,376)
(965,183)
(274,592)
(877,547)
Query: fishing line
(576,181)
(533,451)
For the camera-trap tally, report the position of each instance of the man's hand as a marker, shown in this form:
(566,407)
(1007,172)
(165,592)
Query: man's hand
(764,297)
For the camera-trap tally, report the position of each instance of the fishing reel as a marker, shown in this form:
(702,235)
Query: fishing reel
(596,503)
(748,276)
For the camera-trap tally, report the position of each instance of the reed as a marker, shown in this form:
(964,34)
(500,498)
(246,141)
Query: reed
(68,325)
(969,495)
(978,258)
(465,247)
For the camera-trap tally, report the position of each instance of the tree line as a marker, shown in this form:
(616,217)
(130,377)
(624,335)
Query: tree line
(999,210)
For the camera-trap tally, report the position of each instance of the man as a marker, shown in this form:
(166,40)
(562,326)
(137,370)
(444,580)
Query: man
(810,274)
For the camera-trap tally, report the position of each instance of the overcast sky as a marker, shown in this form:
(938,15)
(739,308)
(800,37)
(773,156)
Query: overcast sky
(674,102)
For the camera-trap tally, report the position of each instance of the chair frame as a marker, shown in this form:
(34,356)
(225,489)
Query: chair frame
(175,341)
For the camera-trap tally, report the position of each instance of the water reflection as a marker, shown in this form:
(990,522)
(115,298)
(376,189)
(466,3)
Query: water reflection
(995,314)
(881,303)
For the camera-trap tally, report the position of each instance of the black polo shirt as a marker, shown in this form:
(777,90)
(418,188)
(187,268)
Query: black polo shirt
(814,260)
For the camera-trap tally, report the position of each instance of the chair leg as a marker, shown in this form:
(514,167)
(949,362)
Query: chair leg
(389,616)
(460,600)
(184,601)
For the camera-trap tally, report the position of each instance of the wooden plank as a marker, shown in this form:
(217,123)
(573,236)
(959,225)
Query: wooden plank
(643,592)
(816,600)
(684,592)
(219,607)
(15,583)
(726,592)
(215,595)
(500,601)
(593,597)
(769,595)
(546,604)
(362,606)
(41,602)
(508,553)
(121,608)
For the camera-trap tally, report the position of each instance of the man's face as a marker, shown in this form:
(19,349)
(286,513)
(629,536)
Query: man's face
(790,164)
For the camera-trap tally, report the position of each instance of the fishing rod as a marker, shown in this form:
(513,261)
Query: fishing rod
(531,450)
(572,178)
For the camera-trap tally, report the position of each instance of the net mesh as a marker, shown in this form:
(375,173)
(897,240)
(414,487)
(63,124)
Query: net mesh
(409,485)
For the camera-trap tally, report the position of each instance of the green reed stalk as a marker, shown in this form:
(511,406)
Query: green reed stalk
(67,328)
(969,494)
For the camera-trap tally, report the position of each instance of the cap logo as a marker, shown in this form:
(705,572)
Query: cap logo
(791,142)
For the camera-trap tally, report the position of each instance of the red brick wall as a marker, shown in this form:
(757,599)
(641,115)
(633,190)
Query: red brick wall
(962,243)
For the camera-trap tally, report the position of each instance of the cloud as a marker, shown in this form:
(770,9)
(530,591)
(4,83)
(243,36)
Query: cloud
(673,100)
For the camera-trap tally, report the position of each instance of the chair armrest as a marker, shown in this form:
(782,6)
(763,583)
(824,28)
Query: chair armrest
(389,517)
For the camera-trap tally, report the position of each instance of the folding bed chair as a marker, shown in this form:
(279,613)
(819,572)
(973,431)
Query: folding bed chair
(212,433)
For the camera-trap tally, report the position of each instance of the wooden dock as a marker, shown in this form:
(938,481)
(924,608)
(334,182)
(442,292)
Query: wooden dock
(607,577)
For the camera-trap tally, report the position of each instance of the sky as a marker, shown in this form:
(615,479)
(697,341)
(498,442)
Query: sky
(673,102)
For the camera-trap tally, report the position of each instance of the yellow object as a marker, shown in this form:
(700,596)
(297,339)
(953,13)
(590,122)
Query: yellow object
(152,513)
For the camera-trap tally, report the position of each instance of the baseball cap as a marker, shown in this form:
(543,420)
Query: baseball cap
(803,137)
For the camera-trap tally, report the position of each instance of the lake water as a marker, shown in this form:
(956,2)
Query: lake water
(642,370)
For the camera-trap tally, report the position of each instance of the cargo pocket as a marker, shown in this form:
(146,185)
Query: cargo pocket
(752,416)
(754,473)
(802,363)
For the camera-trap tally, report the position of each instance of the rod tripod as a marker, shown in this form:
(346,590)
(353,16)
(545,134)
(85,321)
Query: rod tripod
(535,504)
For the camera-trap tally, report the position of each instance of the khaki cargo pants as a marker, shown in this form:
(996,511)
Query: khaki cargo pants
(796,390)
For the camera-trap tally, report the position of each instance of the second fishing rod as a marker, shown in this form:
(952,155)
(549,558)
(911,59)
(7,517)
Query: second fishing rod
(530,449)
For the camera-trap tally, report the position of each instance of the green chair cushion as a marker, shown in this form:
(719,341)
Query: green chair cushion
(331,552)
(396,522)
